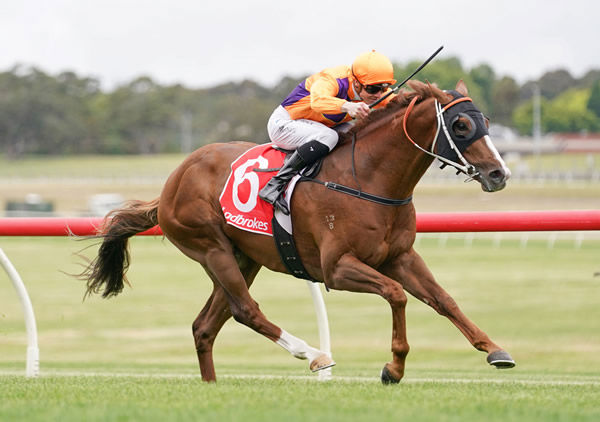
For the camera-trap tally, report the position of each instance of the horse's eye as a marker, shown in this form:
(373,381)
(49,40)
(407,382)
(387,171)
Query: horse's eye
(463,127)
(460,126)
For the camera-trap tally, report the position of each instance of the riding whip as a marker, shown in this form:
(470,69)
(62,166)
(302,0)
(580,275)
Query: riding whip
(397,87)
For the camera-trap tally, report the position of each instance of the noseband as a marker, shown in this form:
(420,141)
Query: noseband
(466,167)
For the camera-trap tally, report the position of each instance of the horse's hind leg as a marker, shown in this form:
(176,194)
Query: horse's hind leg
(419,282)
(213,316)
(220,263)
(205,329)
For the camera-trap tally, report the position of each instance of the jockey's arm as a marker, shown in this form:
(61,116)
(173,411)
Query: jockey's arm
(323,99)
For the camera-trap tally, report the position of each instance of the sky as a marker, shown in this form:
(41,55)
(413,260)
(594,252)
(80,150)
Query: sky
(201,43)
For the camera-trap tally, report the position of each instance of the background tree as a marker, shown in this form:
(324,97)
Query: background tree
(136,120)
(588,79)
(445,73)
(483,75)
(569,113)
(556,82)
(593,104)
(551,84)
(505,98)
(43,114)
(67,113)
(566,113)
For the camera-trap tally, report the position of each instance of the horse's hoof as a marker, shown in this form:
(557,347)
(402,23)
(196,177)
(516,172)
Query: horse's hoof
(387,377)
(501,359)
(321,362)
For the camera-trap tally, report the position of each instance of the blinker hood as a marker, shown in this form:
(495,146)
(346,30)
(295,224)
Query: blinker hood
(451,115)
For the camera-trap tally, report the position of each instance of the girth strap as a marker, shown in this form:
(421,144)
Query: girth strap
(289,253)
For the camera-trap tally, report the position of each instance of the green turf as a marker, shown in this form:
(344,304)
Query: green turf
(128,398)
(132,357)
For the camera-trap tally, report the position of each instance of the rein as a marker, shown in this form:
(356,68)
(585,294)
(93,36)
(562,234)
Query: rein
(358,193)
(466,167)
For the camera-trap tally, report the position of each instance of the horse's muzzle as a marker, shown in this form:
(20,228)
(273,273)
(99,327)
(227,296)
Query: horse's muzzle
(493,180)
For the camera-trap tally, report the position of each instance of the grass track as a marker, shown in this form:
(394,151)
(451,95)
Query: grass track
(177,399)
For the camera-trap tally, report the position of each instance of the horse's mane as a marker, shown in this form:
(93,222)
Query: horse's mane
(423,90)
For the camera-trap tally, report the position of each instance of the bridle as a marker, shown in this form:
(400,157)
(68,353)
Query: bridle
(466,167)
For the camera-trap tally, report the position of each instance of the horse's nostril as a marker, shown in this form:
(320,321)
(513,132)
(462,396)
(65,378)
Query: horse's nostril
(498,176)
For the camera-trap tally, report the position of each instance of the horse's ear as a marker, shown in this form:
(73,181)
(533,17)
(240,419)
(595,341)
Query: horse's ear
(461,88)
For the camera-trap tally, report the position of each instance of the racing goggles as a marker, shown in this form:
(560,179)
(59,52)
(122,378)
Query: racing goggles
(376,89)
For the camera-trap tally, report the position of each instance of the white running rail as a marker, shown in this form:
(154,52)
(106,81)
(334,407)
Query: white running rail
(33,352)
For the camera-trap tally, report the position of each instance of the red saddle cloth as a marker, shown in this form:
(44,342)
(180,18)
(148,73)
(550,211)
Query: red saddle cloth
(239,200)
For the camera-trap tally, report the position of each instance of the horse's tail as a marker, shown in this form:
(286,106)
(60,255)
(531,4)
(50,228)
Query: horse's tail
(111,264)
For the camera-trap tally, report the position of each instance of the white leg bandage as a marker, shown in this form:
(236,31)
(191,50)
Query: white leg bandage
(297,347)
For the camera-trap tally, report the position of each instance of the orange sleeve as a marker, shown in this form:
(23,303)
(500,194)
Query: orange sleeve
(323,93)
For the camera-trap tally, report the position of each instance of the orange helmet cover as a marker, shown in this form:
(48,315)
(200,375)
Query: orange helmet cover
(373,68)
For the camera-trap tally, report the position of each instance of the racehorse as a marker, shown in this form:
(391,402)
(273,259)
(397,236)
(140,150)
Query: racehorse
(344,241)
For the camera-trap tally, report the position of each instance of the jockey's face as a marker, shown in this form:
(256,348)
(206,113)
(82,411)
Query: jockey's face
(370,93)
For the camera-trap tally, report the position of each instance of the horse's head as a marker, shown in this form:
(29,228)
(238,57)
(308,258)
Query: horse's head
(464,139)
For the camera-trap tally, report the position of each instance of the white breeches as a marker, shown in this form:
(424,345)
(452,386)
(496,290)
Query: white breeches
(290,134)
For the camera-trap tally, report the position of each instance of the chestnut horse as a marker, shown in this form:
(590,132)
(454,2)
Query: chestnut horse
(368,248)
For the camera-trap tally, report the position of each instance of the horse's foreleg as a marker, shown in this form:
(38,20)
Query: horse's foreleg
(416,278)
(355,276)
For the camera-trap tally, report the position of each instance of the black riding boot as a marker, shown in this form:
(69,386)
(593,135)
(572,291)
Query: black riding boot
(305,155)
(277,184)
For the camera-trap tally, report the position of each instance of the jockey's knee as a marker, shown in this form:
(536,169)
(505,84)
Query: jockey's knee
(329,138)
(313,150)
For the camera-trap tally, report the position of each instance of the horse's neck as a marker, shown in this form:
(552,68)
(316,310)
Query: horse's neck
(387,163)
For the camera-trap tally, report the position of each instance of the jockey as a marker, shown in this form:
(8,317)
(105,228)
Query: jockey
(304,120)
